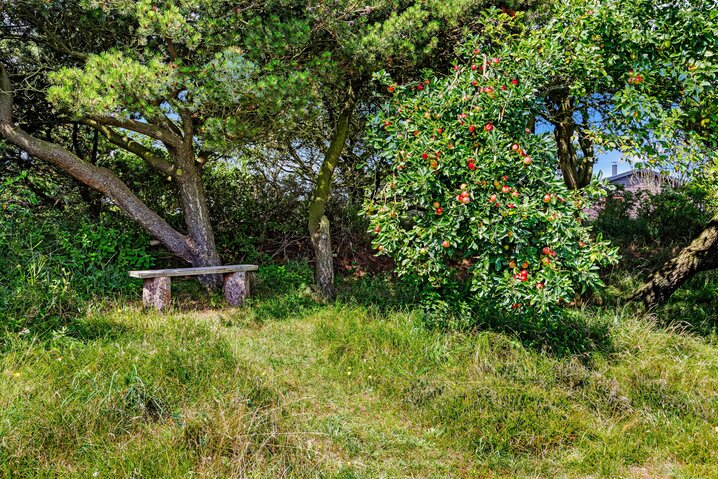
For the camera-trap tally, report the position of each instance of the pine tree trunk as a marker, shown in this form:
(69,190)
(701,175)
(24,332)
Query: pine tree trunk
(700,255)
(196,215)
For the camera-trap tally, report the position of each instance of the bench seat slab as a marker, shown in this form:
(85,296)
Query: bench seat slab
(230,268)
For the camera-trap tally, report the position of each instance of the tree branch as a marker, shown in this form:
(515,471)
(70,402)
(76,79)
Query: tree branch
(127,143)
(147,129)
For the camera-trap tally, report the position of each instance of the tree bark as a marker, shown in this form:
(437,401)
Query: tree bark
(577,172)
(700,255)
(319,226)
(196,214)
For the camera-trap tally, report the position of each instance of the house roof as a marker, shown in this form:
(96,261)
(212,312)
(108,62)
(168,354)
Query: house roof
(642,172)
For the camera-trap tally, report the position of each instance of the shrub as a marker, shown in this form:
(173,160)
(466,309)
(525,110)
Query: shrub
(673,216)
(474,205)
(52,262)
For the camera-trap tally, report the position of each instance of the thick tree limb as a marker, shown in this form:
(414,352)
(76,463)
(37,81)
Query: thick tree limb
(700,255)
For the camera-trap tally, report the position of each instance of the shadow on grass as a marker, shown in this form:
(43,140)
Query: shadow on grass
(97,327)
(575,332)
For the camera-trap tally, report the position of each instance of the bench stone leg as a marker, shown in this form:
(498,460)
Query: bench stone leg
(157,293)
(236,288)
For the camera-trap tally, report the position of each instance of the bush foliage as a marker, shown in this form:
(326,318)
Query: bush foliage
(474,205)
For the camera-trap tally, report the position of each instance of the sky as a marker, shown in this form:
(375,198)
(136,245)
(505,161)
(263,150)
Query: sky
(605,160)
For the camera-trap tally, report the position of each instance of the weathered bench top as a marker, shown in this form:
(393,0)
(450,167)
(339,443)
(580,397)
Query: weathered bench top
(165,273)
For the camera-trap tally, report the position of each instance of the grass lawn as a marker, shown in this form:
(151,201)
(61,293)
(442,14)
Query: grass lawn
(342,391)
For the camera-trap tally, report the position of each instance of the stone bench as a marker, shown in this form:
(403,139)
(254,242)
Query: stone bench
(157,288)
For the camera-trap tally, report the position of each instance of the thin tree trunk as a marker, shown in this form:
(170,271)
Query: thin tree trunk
(319,226)
(700,255)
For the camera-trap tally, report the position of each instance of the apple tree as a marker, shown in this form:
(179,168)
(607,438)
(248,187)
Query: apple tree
(474,206)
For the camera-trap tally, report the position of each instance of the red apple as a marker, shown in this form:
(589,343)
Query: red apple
(471,166)
(464,194)
(465,199)
(391,89)
(377,229)
(445,244)
(419,87)
(514,81)
(546,250)
(527,160)
(424,156)
(539,285)
(472,128)
(515,147)
(439,211)
(506,189)
(546,198)
(488,127)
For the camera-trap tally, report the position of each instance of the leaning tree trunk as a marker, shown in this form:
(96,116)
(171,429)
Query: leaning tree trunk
(319,226)
(197,247)
(700,255)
